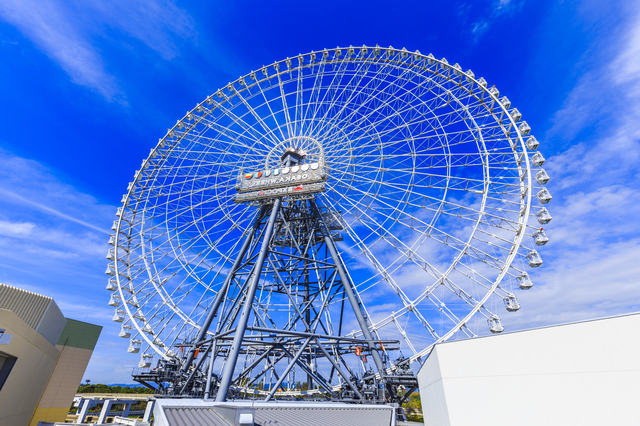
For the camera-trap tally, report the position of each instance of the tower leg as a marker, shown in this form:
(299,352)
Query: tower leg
(221,294)
(207,390)
(234,351)
(348,287)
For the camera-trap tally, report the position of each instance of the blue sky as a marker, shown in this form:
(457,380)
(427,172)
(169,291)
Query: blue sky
(87,90)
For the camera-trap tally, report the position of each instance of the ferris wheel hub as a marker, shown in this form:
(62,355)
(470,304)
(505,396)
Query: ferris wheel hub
(302,147)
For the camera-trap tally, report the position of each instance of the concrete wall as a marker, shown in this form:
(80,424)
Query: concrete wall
(76,344)
(585,373)
(36,359)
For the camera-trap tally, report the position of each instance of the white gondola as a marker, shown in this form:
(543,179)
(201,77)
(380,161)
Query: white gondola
(111,285)
(511,303)
(110,255)
(145,361)
(119,316)
(495,325)
(134,346)
(524,281)
(543,216)
(537,159)
(114,301)
(542,177)
(534,259)
(125,331)
(470,76)
(110,270)
(524,128)
(540,237)
(532,143)
(515,115)
(505,102)
(544,196)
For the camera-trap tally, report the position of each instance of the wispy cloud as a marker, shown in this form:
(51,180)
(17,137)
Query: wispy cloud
(159,24)
(48,220)
(48,209)
(49,25)
(605,100)
(495,10)
(53,242)
(66,32)
(591,267)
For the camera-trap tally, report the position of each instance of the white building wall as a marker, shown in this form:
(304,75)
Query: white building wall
(585,373)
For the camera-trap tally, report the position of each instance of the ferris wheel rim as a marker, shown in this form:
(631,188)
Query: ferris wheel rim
(519,237)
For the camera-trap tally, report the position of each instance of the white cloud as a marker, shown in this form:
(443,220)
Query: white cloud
(591,262)
(15,229)
(49,25)
(497,9)
(157,23)
(607,100)
(51,229)
(53,242)
(28,185)
(590,282)
(66,32)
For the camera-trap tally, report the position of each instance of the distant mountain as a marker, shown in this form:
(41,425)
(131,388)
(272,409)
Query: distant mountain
(127,385)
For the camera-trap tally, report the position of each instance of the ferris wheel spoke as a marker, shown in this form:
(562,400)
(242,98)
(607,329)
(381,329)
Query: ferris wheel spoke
(447,239)
(239,122)
(273,138)
(241,140)
(331,89)
(419,261)
(285,108)
(458,183)
(272,115)
(371,98)
(365,89)
(359,76)
(389,279)
(356,124)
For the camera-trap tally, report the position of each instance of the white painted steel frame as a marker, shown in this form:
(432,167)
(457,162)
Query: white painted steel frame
(347,102)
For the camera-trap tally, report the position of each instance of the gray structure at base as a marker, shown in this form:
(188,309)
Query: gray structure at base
(585,373)
(107,403)
(194,412)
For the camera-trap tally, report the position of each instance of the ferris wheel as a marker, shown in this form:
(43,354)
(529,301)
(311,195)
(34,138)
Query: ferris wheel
(431,190)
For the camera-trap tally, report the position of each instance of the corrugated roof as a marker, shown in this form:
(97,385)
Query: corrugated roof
(193,417)
(29,307)
(308,416)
